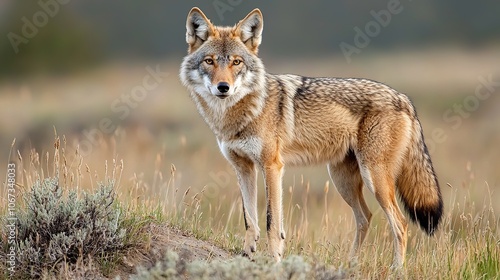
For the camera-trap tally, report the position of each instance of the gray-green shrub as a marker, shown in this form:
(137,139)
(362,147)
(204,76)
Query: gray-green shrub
(54,228)
(172,266)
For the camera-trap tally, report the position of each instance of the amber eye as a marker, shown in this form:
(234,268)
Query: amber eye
(236,62)
(209,61)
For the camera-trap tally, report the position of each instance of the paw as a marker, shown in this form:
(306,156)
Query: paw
(277,257)
(250,245)
(246,255)
(276,248)
(249,249)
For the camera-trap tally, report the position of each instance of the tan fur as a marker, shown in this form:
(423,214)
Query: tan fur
(366,132)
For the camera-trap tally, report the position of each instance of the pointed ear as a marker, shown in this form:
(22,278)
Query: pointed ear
(249,30)
(198,29)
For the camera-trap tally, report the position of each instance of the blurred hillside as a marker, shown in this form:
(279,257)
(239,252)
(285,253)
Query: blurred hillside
(85,33)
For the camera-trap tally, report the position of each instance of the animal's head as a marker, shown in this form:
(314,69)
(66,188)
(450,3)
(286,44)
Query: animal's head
(222,61)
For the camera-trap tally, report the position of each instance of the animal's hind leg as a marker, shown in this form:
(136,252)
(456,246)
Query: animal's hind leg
(384,189)
(347,179)
(379,153)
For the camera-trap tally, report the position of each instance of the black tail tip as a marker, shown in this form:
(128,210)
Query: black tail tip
(427,218)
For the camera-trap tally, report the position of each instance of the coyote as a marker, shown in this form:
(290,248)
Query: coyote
(364,131)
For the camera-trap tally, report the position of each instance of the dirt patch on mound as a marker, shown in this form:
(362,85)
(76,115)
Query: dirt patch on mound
(162,238)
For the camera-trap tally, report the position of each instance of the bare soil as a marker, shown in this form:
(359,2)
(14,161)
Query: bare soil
(163,238)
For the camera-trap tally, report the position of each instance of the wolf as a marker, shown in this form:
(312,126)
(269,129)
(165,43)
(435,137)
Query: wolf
(367,133)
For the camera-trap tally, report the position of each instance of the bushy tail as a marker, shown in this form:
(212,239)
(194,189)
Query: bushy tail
(418,186)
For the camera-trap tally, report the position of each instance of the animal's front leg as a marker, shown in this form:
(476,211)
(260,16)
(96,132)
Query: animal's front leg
(247,179)
(276,234)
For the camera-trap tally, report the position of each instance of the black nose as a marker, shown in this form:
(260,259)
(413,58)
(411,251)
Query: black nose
(223,87)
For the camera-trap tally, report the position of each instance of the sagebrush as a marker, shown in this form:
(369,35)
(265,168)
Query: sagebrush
(57,228)
(173,266)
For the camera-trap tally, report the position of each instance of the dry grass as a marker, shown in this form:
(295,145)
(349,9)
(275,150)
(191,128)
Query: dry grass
(167,167)
(319,225)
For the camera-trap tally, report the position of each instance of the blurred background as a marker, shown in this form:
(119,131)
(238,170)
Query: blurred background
(79,67)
